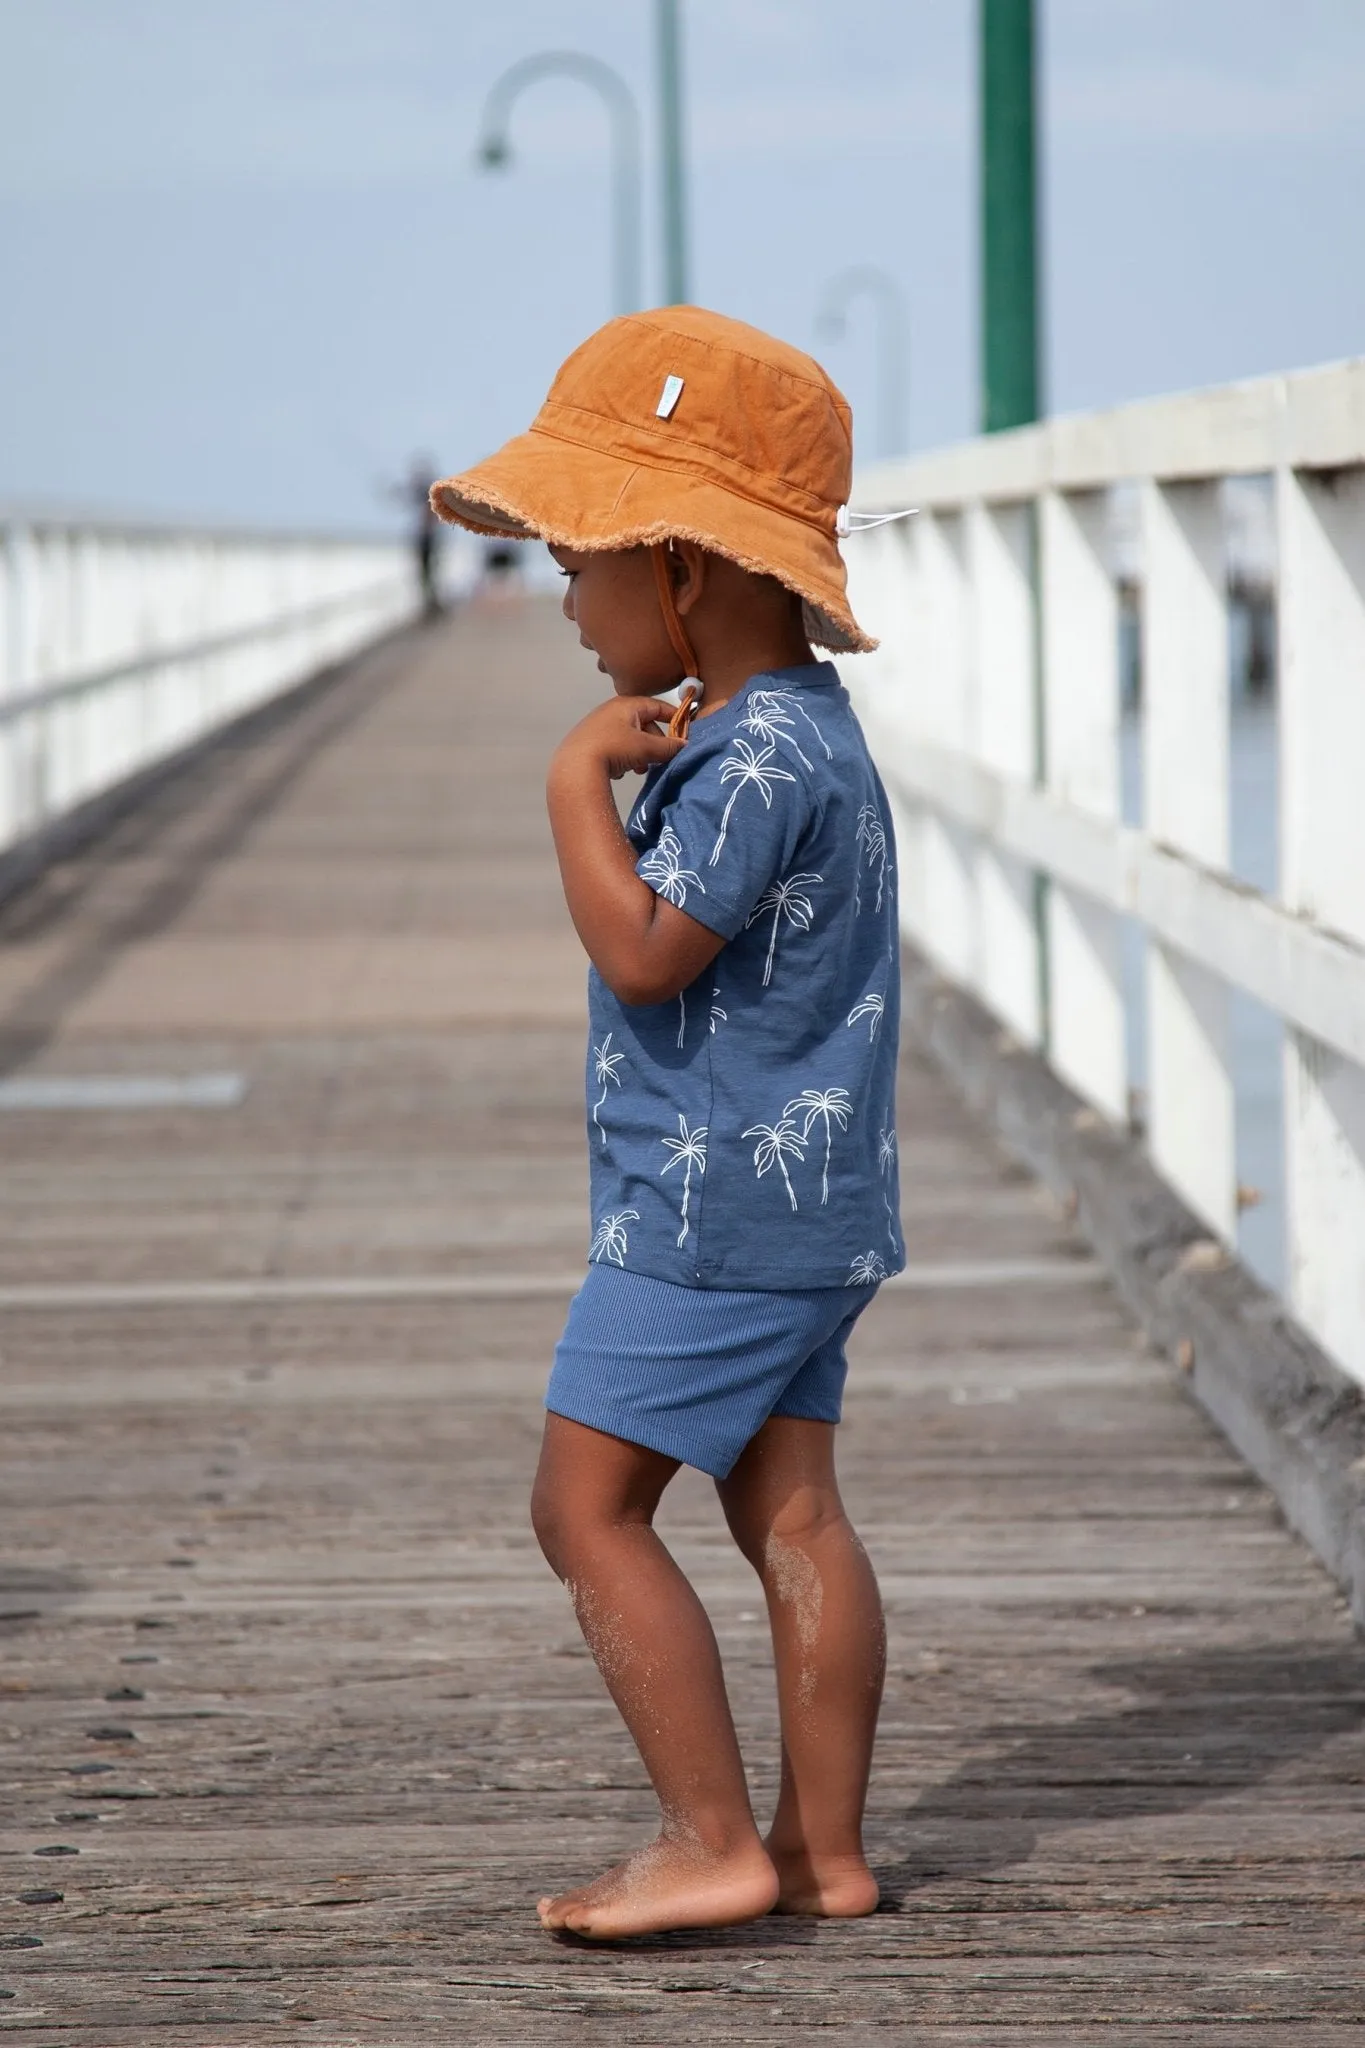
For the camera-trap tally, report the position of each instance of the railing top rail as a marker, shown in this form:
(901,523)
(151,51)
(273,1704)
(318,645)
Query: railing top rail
(47,518)
(1313,419)
(66,689)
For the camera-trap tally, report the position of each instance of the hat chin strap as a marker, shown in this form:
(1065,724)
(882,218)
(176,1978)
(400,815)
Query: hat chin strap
(682,646)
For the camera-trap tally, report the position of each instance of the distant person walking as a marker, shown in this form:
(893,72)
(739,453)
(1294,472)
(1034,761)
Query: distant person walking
(426,530)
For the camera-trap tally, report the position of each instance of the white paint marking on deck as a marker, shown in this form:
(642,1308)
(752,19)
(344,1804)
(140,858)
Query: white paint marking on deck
(951,1276)
(122,1091)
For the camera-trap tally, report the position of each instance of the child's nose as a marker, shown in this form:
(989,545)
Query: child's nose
(567,606)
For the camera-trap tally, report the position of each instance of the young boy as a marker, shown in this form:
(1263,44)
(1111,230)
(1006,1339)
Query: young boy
(688,473)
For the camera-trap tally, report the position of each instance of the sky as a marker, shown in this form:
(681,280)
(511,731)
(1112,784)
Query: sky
(251,267)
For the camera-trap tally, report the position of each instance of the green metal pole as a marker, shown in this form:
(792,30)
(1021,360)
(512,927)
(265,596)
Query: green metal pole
(671,148)
(1009,216)
(1010,396)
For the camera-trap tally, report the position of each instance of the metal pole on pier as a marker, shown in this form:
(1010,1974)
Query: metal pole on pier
(671,152)
(1007,111)
(1009,215)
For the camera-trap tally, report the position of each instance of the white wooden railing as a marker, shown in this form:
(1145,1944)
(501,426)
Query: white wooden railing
(993,706)
(122,644)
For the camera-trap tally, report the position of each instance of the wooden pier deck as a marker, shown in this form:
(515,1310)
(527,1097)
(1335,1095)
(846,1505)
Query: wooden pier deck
(294,1722)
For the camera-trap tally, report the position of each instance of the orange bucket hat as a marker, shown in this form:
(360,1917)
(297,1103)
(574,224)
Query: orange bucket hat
(681,424)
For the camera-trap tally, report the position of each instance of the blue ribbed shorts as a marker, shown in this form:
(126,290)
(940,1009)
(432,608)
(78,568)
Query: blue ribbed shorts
(695,1371)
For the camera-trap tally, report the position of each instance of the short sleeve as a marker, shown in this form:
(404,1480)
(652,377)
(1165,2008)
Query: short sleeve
(727,831)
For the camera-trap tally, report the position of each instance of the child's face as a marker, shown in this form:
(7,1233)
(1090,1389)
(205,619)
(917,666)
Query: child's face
(613,600)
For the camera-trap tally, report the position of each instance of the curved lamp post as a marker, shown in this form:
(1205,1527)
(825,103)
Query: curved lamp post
(495,148)
(865,280)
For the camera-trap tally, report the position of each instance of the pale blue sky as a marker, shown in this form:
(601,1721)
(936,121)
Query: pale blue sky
(249,265)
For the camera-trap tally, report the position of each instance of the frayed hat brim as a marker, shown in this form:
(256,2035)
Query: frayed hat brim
(541,486)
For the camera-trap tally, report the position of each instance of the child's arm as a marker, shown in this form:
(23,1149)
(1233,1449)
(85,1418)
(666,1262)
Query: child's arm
(646,950)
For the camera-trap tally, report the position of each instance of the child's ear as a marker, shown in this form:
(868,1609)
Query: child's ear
(687,568)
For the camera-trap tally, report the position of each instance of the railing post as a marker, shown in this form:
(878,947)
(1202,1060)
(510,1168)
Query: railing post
(999,547)
(945,717)
(11,669)
(1081,719)
(25,741)
(1190,1095)
(883,586)
(1322,838)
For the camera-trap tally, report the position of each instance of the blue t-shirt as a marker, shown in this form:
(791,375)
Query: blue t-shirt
(743,1133)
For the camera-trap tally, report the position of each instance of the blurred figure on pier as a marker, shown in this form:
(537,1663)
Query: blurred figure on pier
(414,492)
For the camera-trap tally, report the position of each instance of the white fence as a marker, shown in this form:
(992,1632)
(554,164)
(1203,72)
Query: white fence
(993,707)
(119,645)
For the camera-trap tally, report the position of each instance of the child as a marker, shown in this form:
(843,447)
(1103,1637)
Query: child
(688,473)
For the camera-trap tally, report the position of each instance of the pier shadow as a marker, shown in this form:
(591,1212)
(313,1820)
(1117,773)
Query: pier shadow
(751,1938)
(1204,1726)
(197,813)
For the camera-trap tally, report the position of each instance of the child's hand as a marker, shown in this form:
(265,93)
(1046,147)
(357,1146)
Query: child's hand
(644,948)
(621,736)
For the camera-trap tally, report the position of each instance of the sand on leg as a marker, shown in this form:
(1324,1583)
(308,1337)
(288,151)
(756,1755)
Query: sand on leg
(592,1508)
(829,1640)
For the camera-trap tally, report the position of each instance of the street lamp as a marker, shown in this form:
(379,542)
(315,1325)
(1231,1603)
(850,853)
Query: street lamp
(495,148)
(865,280)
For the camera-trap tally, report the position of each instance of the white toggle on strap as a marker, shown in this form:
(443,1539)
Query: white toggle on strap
(847,522)
(679,691)
(671,393)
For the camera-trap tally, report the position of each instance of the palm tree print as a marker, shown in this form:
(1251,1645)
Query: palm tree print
(886,1160)
(717,1015)
(688,1150)
(742,767)
(662,868)
(872,1005)
(784,698)
(784,899)
(605,1063)
(872,847)
(682,1017)
(829,1106)
(867,1268)
(775,1141)
(609,1240)
(766,719)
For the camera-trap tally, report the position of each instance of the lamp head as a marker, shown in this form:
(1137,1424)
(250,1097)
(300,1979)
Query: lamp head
(495,153)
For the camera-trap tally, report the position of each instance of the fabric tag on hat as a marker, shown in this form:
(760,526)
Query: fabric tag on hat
(669,397)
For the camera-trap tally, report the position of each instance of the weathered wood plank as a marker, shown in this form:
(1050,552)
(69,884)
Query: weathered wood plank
(1120,1776)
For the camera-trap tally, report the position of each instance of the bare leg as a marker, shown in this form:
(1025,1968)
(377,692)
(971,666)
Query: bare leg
(829,1640)
(593,1507)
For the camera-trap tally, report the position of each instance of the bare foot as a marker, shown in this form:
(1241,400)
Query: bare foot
(668,1884)
(833,1887)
